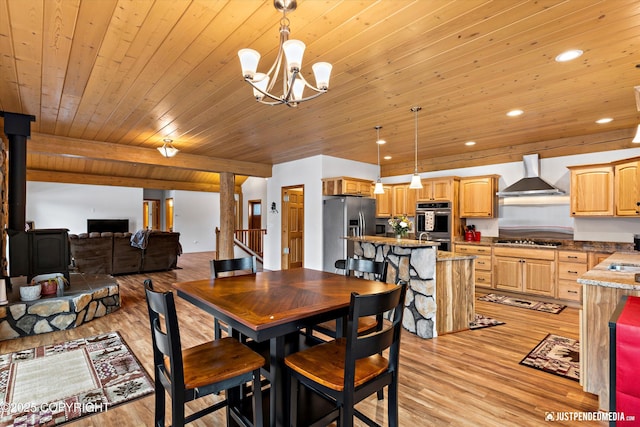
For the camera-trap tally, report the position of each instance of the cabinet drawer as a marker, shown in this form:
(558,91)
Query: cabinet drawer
(473,249)
(483,262)
(483,279)
(572,256)
(571,271)
(569,290)
(545,254)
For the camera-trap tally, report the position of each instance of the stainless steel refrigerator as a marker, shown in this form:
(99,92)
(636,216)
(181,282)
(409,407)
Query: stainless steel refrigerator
(345,216)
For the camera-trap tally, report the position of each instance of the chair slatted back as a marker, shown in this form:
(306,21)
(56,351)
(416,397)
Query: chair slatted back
(234,264)
(165,336)
(387,337)
(366,268)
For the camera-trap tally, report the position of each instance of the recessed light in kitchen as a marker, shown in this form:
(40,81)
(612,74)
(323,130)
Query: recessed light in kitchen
(470,143)
(515,113)
(604,120)
(387,157)
(569,55)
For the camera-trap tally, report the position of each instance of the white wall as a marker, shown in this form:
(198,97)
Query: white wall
(53,205)
(308,172)
(254,189)
(196,216)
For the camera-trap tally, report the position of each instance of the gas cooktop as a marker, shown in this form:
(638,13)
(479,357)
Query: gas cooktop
(529,243)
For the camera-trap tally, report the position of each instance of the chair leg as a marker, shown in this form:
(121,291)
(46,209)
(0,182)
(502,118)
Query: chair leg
(392,402)
(381,394)
(257,399)
(293,401)
(216,329)
(160,400)
(177,411)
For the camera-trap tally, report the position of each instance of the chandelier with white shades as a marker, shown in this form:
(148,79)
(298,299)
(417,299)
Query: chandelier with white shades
(293,83)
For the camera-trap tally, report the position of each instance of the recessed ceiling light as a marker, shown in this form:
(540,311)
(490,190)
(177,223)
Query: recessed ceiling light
(470,143)
(387,157)
(569,55)
(604,120)
(381,142)
(515,113)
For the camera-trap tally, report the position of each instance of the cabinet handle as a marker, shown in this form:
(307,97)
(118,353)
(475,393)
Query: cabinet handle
(572,292)
(572,272)
(481,262)
(480,280)
(572,257)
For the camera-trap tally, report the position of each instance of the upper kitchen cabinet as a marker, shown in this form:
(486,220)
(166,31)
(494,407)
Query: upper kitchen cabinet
(627,188)
(478,196)
(384,202)
(438,189)
(347,186)
(592,190)
(404,200)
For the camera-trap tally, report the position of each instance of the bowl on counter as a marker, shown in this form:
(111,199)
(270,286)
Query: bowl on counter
(30,292)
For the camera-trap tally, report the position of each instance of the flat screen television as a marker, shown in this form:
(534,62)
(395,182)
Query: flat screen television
(104,225)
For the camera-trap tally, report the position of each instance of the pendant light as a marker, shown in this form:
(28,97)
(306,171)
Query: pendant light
(379,189)
(416,182)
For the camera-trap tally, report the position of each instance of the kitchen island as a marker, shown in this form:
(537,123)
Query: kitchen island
(603,289)
(440,297)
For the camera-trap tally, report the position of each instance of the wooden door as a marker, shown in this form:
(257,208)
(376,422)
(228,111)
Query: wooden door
(507,273)
(151,214)
(384,203)
(592,191)
(478,197)
(627,188)
(539,277)
(168,212)
(292,227)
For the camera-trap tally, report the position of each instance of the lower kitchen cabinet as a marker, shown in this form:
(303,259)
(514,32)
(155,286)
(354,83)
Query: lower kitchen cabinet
(532,271)
(482,264)
(571,265)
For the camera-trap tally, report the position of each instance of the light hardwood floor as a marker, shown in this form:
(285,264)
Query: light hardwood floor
(469,378)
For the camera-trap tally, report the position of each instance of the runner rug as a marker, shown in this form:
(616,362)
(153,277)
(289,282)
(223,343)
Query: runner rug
(547,307)
(55,384)
(482,321)
(556,355)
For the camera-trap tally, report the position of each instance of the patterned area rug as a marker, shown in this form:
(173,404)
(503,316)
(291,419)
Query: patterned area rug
(556,355)
(55,384)
(547,307)
(482,321)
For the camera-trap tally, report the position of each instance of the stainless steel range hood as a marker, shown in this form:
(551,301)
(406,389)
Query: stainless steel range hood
(531,184)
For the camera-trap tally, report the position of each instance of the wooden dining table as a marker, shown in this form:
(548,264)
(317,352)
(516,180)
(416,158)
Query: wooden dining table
(273,306)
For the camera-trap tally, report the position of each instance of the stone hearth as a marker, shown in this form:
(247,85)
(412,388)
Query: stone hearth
(88,297)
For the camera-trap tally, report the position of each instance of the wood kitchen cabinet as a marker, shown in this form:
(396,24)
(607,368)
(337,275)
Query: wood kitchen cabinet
(440,189)
(571,265)
(347,186)
(532,271)
(404,200)
(478,196)
(384,202)
(482,263)
(627,188)
(592,190)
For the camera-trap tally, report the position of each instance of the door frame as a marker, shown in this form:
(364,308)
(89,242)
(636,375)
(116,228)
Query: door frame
(284,242)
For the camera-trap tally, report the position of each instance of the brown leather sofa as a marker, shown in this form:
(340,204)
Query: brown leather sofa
(112,253)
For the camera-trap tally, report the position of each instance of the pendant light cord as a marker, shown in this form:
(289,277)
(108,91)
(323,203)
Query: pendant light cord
(415,110)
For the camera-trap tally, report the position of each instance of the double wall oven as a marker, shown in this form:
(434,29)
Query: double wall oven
(434,219)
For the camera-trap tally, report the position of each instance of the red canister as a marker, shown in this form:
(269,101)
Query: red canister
(477,236)
(468,236)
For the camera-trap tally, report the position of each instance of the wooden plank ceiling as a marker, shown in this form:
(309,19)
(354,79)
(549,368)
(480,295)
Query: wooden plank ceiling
(107,80)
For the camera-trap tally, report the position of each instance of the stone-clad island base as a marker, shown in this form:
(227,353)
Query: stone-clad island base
(89,296)
(427,314)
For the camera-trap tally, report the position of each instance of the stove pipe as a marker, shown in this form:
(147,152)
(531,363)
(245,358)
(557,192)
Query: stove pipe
(17,127)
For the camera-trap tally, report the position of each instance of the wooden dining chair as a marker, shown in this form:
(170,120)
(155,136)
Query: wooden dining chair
(188,374)
(347,370)
(365,268)
(219,266)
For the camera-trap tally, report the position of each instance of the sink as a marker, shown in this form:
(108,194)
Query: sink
(624,267)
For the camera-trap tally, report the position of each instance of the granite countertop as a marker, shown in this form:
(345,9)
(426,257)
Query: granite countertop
(601,275)
(452,256)
(392,241)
